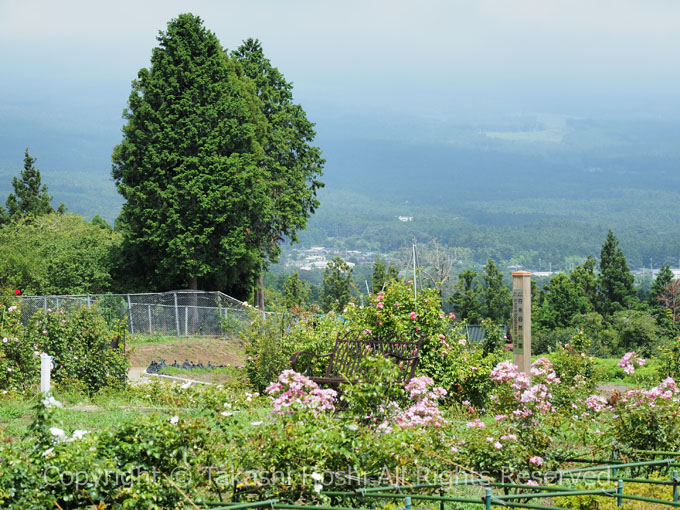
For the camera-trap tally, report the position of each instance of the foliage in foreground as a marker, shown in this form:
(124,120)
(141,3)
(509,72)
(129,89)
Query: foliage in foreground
(298,440)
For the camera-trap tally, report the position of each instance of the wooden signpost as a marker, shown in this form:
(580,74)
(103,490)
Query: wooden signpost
(521,320)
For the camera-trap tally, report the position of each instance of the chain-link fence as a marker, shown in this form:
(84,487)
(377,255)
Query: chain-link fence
(179,313)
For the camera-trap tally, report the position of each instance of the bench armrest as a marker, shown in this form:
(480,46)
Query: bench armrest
(294,359)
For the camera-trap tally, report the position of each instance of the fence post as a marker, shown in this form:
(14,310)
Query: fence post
(45,303)
(45,368)
(441,502)
(675,486)
(614,456)
(57,303)
(150,322)
(619,491)
(186,321)
(407,502)
(132,324)
(89,301)
(487,498)
(176,314)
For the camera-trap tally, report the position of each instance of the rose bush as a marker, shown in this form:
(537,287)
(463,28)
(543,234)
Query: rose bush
(461,369)
(86,352)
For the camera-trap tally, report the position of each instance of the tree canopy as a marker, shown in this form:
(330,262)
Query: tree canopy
(291,164)
(497,295)
(207,193)
(56,254)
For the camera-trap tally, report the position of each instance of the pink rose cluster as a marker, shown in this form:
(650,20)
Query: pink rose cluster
(628,362)
(663,392)
(294,391)
(597,403)
(528,398)
(424,410)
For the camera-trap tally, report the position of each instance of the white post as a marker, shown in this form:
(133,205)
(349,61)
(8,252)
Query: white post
(415,281)
(132,325)
(45,369)
(176,314)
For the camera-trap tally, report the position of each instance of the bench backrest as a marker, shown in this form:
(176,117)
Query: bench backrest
(352,347)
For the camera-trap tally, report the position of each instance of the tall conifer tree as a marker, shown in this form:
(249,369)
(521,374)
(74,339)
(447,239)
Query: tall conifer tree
(615,281)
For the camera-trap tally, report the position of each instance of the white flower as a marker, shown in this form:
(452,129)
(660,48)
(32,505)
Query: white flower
(78,434)
(226,413)
(318,487)
(47,452)
(256,423)
(57,432)
(174,420)
(186,385)
(227,405)
(316,476)
(51,402)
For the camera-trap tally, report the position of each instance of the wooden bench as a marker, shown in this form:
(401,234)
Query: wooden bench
(344,361)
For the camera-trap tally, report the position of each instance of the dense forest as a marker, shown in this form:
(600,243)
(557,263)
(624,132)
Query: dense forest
(516,189)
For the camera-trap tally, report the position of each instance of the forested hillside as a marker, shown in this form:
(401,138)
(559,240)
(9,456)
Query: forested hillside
(516,188)
(509,191)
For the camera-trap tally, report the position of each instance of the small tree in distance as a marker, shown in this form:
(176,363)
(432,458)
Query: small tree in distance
(30,196)
(336,286)
(497,296)
(295,292)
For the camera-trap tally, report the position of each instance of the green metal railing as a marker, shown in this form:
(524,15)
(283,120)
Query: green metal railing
(522,495)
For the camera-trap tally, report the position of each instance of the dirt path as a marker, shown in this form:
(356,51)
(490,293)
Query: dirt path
(607,390)
(218,351)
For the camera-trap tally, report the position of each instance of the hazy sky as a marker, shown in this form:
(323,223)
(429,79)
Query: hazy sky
(361,69)
(430,57)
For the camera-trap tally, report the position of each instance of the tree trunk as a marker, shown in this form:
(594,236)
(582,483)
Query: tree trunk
(193,283)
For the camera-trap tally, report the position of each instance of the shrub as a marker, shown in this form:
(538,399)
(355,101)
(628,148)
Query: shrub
(520,438)
(87,353)
(294,391)
(546,342)
(462,370)
(271,341)
(576,369)
(396,314)
(19,359)
(85,349)
(368,400)
(591,502)
(670,359)
(649,419)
